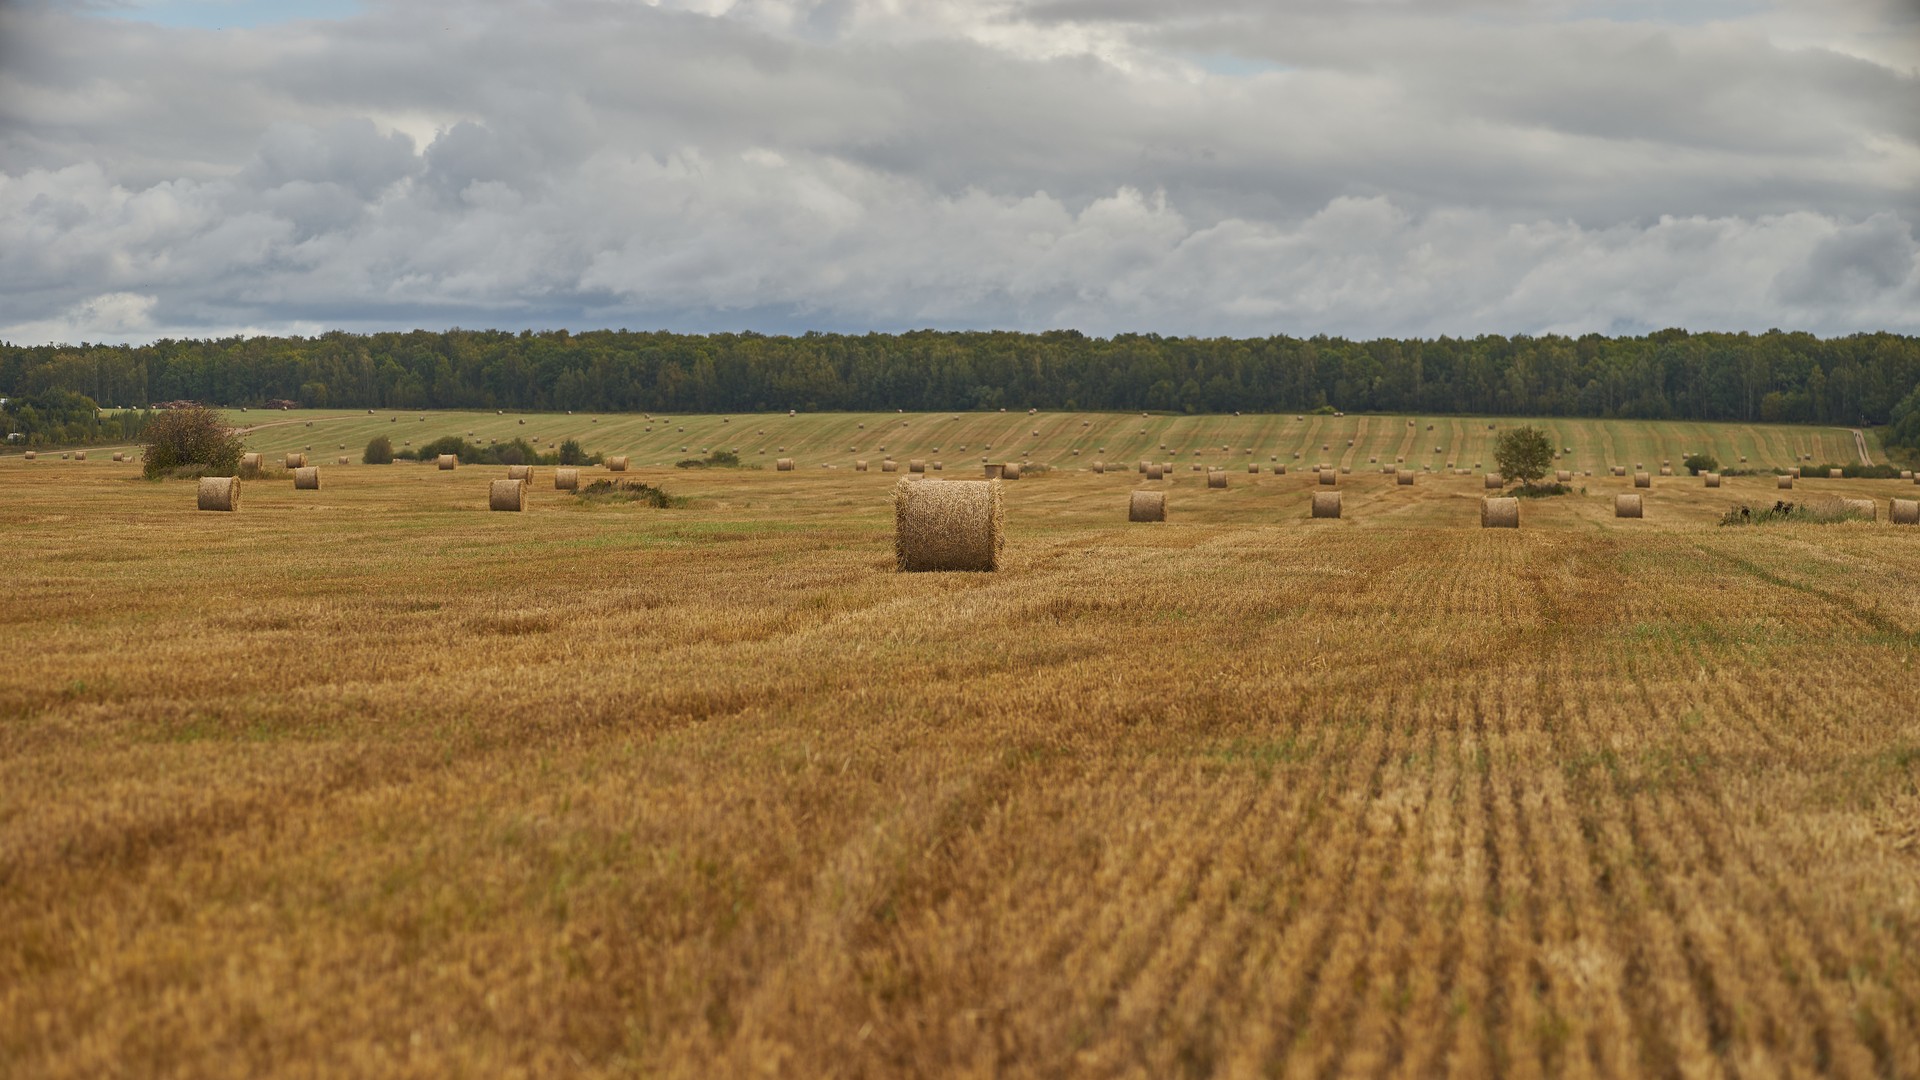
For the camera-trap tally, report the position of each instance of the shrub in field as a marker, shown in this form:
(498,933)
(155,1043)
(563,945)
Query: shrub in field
(719,459)
(195,440)
(1781,512)
(1523,453)
(572,453)
(379,451)
(632,491)
(1855,471)
(1542,491)
(1701,463)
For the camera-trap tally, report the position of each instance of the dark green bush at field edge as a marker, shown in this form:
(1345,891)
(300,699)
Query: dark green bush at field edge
(190,439)
(379,451)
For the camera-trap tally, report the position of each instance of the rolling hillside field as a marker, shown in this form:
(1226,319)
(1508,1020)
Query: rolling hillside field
(370,780)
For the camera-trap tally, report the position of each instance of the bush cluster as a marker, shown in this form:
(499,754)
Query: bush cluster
(194,441)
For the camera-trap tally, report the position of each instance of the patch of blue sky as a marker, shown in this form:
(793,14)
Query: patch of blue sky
(227,14)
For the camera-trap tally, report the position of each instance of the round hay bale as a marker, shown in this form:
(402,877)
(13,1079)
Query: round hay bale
(341,460)
(1010,471)
(992,468)
(507,495)
(1866,508)
(1329,478)
(1906,474)
(30,455)
(617,464)
(785,464)
(1666,470)
(566,479)
(1784,483)
(1099,468)
(952,525)
(306,479)
(1628,505)
(1904,511)
(1390,470)
(1346,469)
(119,456)
(1253,469)
(1712,479)
(219,493)
(1493,481)
(916,465)
(936,466)
(1563,475)
(446,462)
(1404,479)
(1280,470)
(1500,513)
(250,465)
(1326,504)
(1154,472)
(520,472)
(1196,467)
(296,461)
(1217,478)
(1147,506)
(860,465)
(1835,474)
(1618,470)
(1642,480)
(1794,472)
(889,465)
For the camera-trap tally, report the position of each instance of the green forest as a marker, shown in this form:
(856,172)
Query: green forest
(1672,374)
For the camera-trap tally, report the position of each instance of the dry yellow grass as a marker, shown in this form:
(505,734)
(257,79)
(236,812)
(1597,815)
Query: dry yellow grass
(717,792)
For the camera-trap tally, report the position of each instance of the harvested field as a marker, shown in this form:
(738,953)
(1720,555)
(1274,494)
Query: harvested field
(602,789)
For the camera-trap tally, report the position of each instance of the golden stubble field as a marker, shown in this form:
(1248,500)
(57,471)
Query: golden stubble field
(371,781)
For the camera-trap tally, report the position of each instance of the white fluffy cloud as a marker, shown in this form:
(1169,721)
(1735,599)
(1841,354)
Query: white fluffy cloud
(854,164)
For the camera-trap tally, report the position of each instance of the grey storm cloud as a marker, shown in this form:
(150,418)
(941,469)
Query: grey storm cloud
(1210,167)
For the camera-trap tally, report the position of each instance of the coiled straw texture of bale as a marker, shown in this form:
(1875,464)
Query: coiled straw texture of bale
(1499,513)
(950,525)
(617,464)
(1627,505)
(1904,511)
(219,493)
(566,479)
(446,462)
(507,495)
(1147,506)
(1326,504)
(520,472)
(306,479)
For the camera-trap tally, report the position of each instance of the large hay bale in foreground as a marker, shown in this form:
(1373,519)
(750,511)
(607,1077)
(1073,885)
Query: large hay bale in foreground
(446,462)
(1147,506)
(1642,480)
(1492,481)
(306,479)
(1712,479)
(951,525)
(520,472)
(1326,504)
(1329,478)
(1866,508)
(1217,478)
(507,495)
(1785,483)
(1904,511)
(1404,479)
(219,493)
(566,479)
(1627,505)
(617,464)
(785,464)
(1499,513)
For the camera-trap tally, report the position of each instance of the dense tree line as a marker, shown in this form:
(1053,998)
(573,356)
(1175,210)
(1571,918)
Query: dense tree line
(60,417)
(1671,374)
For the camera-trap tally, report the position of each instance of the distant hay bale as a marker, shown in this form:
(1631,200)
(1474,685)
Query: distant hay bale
(296,461)
(860,465)
(1253,469)
(1099,468)
(1743,459)
(1143,466)
(1147,506)
(1666,470)
(1217,478)
(993,470)
(1563,475)
(341,460)
(219,493)
(1713,479)
(306,479)
(1280,470)
(785,464)
(1329,478)
(617,464)
(1326,504)
(917,465)
(507,495)
(1618,470)
(1642,480)
(1904,511)
(1346,469)
(1626,505)
(1835,474)
(1390,470)
(1404,479)
(446,462)
(1865,507)
(1794,472)
(119,456)
(1493,481)
(1154,472)
(889,465)
(936,466)
(1010,471)
(951,525)
(520,472)
(30,455)
(566,479)
(1785,483)
(1197,467)
(250,465)
(1500,513)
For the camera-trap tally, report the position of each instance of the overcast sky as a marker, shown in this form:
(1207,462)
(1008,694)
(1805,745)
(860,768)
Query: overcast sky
(1404,167)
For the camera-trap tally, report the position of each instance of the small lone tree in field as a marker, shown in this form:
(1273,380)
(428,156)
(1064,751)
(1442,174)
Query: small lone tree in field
(1701,463)
(1524,454)
(195,438)
(379,451)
